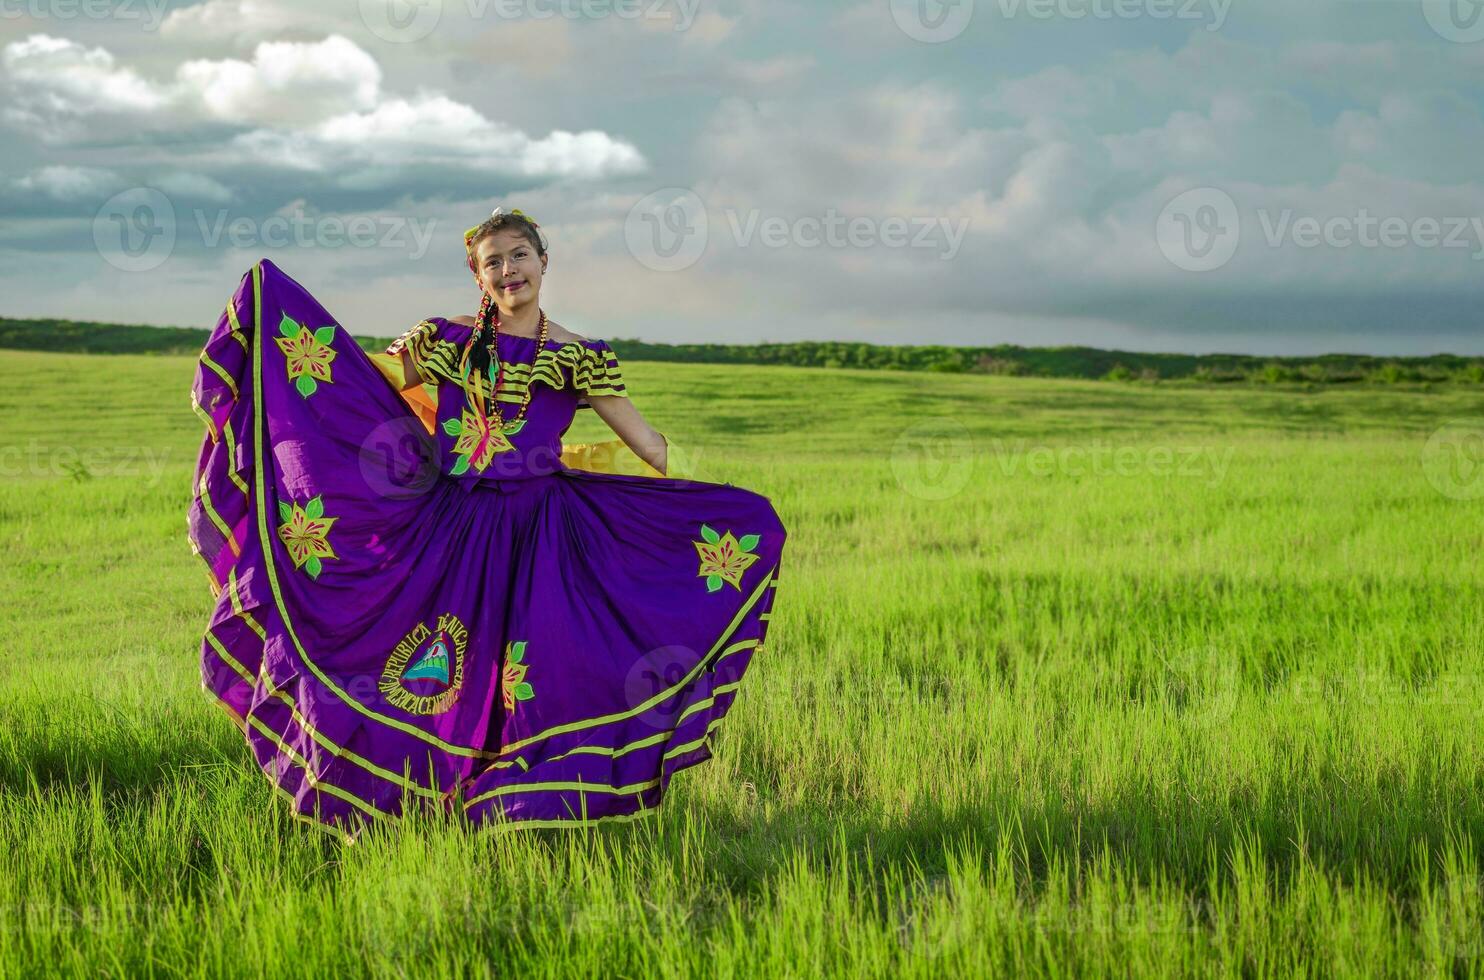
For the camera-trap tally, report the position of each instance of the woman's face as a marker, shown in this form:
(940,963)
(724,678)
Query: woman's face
(510,270)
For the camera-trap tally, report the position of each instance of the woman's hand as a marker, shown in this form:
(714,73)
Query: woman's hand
(626,422)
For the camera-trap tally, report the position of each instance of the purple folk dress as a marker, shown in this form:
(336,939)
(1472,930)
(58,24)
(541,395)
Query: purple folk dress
(407,617)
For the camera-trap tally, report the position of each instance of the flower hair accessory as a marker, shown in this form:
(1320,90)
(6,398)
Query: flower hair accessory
(495,214)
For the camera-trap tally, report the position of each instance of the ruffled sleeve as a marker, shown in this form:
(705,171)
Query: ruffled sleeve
(597,372)
(434,346)
(418,339)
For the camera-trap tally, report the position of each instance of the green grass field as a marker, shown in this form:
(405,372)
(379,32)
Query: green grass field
(1064,677)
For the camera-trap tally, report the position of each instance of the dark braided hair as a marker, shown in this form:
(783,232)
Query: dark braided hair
(488,316)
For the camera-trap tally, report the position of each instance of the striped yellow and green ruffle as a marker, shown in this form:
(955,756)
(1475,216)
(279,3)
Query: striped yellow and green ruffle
(594,370)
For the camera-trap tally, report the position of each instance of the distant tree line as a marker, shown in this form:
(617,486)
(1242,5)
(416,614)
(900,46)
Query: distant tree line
(1075,362)
(1004,359)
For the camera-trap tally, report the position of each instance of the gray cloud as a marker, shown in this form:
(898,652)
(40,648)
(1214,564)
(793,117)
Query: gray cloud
(1033,162)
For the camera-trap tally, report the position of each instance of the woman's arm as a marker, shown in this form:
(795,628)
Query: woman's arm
(626,422)
(409,370)
(398,369)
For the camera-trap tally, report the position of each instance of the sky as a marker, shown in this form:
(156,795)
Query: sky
(1179,175)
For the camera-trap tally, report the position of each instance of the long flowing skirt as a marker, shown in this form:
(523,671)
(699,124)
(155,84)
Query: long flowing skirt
(529,652)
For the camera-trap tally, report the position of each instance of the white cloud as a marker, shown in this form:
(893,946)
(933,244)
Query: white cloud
(770,71)
(883,150)
(310,106)
(56,83)
(1061,208)
(285,82)
(91,185)
(66,183)
(1053,91)
(244,23)
(1260,135)
(1228,109)
(1330,56)
(192,186)
(1436,135)
(590,153)
(434,131)
(1137,85)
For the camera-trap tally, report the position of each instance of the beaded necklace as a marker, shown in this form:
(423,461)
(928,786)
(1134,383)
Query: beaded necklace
(489,318)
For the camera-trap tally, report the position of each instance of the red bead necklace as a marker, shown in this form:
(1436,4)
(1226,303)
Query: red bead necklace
(488,316)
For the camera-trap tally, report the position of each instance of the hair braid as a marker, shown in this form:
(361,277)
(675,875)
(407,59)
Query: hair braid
(485,324)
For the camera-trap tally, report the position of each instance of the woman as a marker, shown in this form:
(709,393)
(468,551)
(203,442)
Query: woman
(423,600)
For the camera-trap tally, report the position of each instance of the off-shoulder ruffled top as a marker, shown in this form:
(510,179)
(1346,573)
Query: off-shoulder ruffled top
(559,377)
(585,367)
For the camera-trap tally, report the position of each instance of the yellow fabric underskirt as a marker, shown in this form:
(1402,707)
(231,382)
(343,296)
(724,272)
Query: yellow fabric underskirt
(610,456)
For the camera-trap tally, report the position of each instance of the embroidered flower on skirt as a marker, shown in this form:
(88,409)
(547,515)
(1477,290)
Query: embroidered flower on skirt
(307,355)
(724,558)
(304,532)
